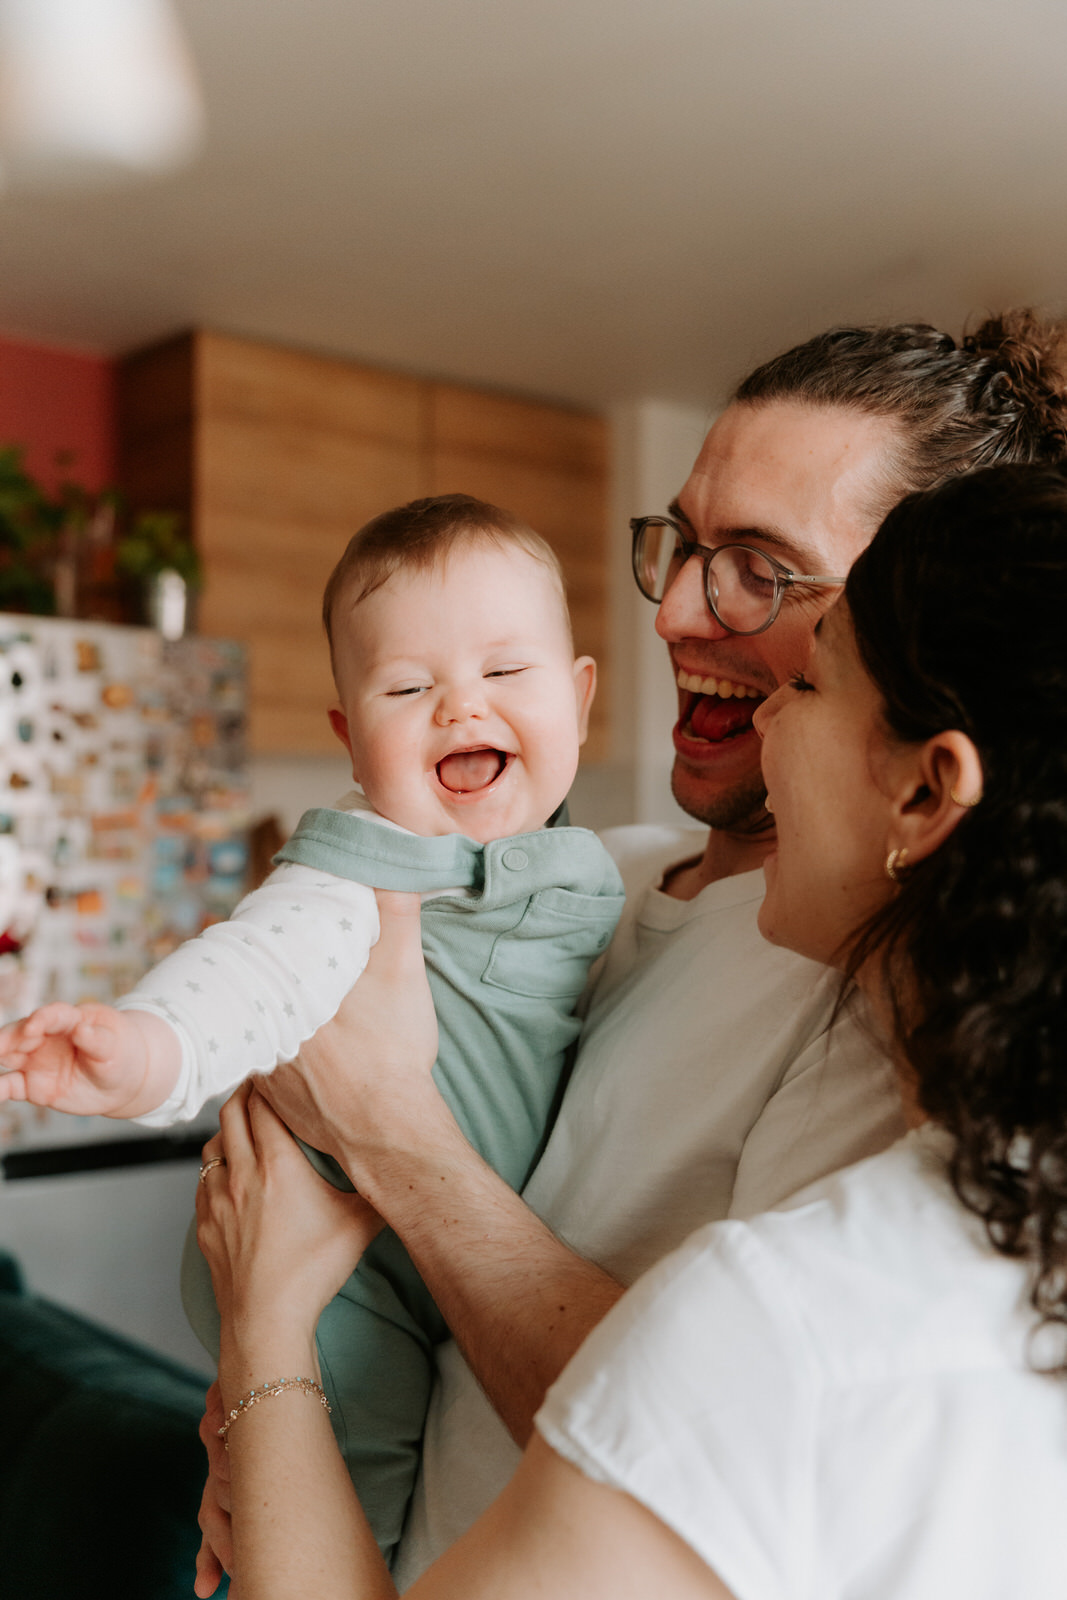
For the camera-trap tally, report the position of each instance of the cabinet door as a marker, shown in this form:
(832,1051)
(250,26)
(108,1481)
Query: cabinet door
(549,466)
(293,454)
(278,457)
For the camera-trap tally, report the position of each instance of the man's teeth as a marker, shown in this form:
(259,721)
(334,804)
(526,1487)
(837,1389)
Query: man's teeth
(723,687)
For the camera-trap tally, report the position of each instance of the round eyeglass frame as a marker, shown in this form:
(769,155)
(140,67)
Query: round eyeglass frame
(784,577)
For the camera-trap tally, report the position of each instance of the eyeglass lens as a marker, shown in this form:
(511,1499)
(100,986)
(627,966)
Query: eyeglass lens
(740,584)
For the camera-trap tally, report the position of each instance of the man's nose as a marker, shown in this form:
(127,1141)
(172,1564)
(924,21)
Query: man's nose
(684,612)
(459,702)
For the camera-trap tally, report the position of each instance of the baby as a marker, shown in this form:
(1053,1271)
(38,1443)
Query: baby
(463,708)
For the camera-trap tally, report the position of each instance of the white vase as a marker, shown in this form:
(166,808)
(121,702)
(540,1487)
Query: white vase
(168,603)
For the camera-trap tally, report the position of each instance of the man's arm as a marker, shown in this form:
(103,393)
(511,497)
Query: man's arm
(518,1301)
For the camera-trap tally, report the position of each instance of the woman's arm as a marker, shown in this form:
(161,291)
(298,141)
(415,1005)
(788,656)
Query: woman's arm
(517,1300)
(555,1532)
(279,1241)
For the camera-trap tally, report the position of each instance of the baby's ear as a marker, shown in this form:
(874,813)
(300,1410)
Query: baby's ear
(584,689)
(339,724)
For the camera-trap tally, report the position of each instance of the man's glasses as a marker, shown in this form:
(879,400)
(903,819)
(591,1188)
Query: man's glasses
(743,586)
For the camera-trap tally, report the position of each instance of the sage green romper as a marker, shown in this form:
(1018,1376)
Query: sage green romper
(506,965)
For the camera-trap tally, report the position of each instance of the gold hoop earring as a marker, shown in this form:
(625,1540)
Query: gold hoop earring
(893,861)
(968,803)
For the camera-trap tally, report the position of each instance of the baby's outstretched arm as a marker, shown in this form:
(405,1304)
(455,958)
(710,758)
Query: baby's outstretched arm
(89,1060)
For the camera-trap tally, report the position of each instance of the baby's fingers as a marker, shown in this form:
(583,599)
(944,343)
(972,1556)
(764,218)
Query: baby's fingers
(55,1018)
(12,1081)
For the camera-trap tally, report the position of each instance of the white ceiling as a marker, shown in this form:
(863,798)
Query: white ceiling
(588,200)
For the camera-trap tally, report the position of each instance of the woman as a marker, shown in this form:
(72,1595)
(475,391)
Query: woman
(861,1394)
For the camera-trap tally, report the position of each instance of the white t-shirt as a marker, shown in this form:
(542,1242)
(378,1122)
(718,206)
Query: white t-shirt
(706,1086)
(833,1402)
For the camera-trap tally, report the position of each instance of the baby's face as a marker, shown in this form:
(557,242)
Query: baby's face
(462,705)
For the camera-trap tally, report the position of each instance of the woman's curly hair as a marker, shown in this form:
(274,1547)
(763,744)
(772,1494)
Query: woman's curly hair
(960,615)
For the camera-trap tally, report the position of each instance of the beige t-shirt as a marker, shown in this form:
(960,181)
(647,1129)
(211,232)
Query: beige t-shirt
(707,1086)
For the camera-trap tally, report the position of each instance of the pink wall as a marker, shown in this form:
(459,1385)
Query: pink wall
(57,402)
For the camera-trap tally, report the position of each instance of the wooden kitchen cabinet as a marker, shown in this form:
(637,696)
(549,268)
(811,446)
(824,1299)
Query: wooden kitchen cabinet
(278,456)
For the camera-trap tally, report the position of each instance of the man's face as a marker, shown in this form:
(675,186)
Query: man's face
(809,486)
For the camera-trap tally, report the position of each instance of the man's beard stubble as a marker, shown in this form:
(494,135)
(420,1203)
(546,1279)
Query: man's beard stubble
(739,810)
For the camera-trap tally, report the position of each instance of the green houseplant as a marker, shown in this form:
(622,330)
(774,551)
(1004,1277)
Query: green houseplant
(31,524)
(157,542)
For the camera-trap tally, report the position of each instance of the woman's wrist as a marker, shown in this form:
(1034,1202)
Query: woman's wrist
(248,1360)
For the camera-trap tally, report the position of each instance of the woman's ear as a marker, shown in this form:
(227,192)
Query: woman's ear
(942,781)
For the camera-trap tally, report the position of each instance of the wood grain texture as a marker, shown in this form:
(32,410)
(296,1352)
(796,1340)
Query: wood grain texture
(549,466)
(279,456)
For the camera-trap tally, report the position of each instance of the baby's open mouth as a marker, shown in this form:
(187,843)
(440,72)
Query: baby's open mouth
(466,770)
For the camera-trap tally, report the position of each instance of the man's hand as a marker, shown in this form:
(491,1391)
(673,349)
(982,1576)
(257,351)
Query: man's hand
(518,1302)
(362,1084)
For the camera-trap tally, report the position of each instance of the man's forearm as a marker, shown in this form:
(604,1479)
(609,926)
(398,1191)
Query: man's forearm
(518,1302)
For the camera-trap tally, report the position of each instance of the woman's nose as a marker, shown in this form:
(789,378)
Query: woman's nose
(684,612)
(768,709)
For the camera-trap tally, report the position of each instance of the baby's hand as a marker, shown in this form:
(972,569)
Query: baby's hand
(89,1060)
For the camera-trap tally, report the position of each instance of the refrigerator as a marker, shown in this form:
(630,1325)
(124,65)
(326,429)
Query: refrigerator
(123,830)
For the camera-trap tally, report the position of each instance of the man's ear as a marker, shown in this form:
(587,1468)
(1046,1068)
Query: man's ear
(584,689)
(339,724)
(942,781)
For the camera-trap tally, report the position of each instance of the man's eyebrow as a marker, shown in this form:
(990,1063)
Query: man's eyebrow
(793,555)
(675,510)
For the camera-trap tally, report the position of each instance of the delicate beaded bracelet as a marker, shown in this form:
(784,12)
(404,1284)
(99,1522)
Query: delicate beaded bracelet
(308,1385)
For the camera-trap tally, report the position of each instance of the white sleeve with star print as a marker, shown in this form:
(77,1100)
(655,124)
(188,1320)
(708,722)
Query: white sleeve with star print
(245,994)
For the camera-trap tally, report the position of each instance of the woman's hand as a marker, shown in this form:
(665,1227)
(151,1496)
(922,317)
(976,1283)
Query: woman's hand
(362,1085)
(279,1239)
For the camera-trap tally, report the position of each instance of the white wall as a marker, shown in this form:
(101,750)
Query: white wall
(655,444)
(108,1244)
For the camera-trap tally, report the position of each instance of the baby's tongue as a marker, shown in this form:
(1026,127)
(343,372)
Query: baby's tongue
(468,769)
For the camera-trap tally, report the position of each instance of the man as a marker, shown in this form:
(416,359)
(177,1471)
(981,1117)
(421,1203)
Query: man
(709,1082)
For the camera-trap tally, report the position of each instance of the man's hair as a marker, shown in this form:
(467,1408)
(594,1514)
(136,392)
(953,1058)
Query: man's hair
(999,396)
(421,535)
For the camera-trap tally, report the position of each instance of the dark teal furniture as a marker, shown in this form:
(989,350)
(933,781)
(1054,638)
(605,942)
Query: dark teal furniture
(101,1468)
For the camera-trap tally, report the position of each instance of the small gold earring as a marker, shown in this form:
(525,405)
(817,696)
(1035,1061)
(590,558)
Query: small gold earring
(968,803)
(894,860)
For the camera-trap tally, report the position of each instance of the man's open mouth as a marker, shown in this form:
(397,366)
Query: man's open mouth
(715,709)
(464,771)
